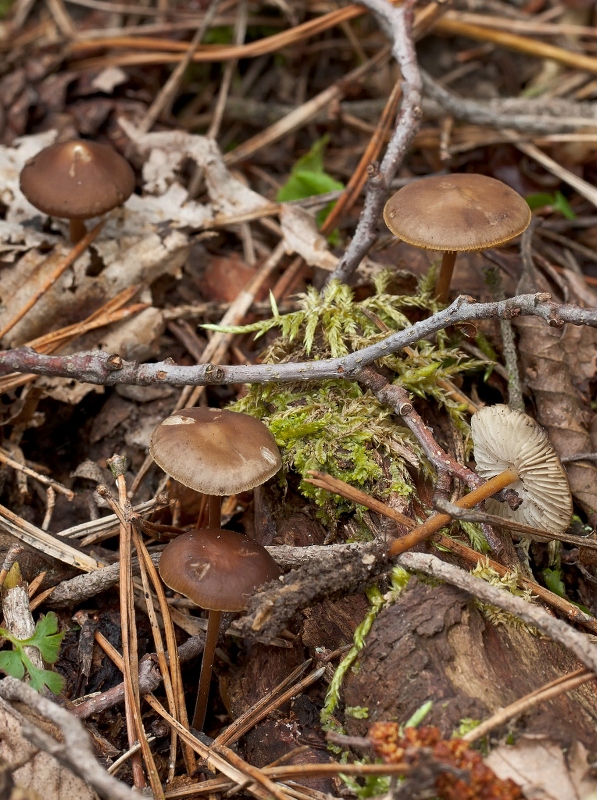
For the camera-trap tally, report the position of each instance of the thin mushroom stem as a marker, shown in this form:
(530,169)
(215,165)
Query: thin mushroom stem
(77,230)
(214,512)
(444,278)
(437,521)
(209,651)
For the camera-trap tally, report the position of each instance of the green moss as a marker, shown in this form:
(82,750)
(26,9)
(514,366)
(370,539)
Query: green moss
(334,425)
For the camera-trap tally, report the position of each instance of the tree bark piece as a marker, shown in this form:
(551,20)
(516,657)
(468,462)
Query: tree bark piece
(434,644)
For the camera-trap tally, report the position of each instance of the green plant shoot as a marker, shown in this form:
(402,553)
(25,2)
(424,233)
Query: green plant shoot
(47,639)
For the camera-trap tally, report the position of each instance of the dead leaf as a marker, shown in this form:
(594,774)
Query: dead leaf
(42,773)
(543,771)
(301,236)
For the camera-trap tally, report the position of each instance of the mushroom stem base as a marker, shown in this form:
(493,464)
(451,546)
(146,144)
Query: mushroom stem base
(209,651)
(437,521)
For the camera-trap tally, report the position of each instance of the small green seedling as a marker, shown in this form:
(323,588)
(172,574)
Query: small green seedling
(47,639)
(308,177)
(556,202)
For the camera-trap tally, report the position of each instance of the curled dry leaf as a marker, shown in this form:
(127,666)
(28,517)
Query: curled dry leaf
(543,768)
(555,363)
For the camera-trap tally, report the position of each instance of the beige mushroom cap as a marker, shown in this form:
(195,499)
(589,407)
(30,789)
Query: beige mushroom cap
(508,439)
(217,569)
(456,212)
(215,451)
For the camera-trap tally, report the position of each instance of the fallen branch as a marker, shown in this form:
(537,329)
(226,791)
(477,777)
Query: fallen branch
(108,369)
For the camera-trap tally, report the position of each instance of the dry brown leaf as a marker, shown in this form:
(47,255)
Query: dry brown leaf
(42,773)
(543,771)
(557,364)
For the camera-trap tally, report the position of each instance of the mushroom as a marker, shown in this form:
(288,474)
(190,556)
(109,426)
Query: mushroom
(218,570)
(216,452)
(512,451)
(506,439)
(77,180)
(455,213)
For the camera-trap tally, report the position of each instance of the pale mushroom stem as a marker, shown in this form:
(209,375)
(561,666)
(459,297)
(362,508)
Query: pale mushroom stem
(77,230)
(437,521)
(214,511)
(209,651)
(444,278)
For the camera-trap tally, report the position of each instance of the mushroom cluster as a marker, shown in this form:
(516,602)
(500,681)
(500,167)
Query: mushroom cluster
(77,180)
(455,213)
(218,453)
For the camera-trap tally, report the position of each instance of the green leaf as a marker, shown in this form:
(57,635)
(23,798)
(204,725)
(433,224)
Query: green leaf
(11,663)
(308,177)
(419,715)
(46,638)
(45,677)
(557,201)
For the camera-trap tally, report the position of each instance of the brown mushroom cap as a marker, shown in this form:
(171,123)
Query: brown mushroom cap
(508,439)
(456,213)
(217,569)
(77,180)
(214,451)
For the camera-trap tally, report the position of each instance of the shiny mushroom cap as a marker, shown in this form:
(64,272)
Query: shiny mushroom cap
(216,569)
(456,213)
(214,451)
(508,439)
(77,180)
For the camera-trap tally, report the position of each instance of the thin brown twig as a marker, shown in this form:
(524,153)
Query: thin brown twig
(400,23)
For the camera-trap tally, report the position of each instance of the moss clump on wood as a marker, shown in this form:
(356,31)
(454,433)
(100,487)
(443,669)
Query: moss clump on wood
(334,425)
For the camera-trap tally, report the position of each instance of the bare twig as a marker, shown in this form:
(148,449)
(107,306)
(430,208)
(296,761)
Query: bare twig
(399,22)
(108,370)
(75,751)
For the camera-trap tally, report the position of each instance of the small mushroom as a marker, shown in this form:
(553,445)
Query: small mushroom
(455,213)
(216,452)
(506,439)
(512,451)
(218,570)
(77,180)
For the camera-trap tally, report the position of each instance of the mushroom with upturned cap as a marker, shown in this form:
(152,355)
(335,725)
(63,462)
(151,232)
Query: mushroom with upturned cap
(77,180)
(512,451)
(455,213)
(507,439)
(218,570)
(216,452)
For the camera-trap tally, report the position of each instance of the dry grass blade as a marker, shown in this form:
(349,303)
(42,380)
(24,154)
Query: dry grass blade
(130,658)
(521,44)
(36,537)
(273,700)
(170,669)
(5,458)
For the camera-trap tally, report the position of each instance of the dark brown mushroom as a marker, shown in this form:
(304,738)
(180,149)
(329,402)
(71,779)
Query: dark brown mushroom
(218,570)
(77,180)
(455,213)
(216,452)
